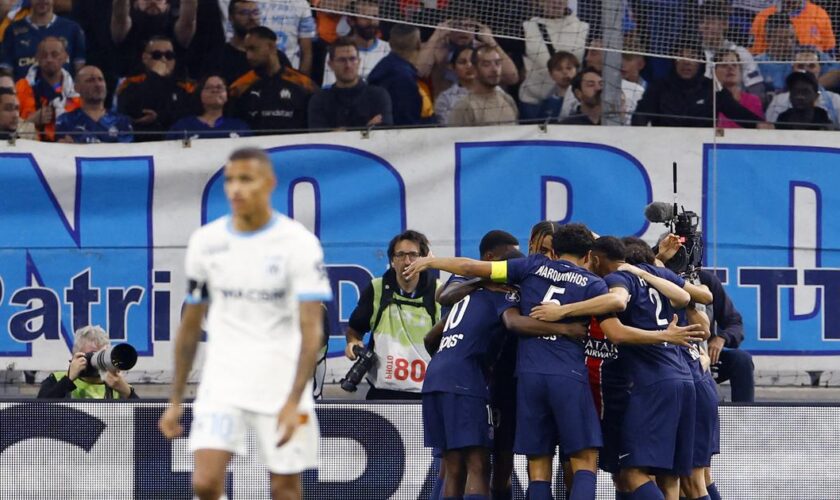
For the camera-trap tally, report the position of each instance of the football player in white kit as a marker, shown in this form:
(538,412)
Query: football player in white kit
(262,277)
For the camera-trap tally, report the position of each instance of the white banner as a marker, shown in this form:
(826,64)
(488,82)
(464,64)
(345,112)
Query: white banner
(96,233)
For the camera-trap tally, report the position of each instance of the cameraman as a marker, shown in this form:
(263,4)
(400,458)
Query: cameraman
(81,381)
(398,313)
(728,361)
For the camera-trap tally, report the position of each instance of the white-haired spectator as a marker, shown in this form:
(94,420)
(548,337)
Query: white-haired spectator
(80,382)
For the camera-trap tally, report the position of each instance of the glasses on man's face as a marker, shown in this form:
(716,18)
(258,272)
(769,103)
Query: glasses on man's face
(248,12)
(157,55)
(402,255)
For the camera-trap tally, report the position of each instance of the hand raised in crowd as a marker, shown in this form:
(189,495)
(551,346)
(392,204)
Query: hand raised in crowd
(170,422)
(348,351)
(376,120)
(548,311)
(715,346)
(682,335)
(485,35)
(117,382)
(77,366)
(668,247)
(43,116)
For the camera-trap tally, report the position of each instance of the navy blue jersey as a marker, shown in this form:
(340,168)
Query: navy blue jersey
(541,279)
(111,127)
(21,40)
(691,354)
(471,338)
(649,310)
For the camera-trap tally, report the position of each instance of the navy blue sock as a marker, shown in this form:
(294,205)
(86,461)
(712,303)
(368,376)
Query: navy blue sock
(507,494)
(703,498)
(647,491)
(451,498)
(583,485)
(620,495)
(713,492)
(539,490)
(476,497)
(437,489)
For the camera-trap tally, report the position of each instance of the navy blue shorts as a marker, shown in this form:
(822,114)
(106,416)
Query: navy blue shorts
(614,401)
(707,424)
(453,421)
(554,410)
(658,429)
(503,404)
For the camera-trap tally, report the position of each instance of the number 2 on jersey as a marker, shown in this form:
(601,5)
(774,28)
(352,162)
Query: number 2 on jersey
(657,299)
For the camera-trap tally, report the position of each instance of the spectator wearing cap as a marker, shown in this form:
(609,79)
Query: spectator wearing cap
(47,91)
(134,22)
(92,122)
(807,60)
(365,35)
(155,99)
(781,46)
(487,103)
(803,114)
(811,24)
(212,94)
(22,38)
(554,30)
(411,98)
(350,102)
(712,25)
(272,96)
(462,66)
(728,72)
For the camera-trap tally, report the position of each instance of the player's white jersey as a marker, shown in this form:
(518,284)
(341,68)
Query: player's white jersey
(254,282)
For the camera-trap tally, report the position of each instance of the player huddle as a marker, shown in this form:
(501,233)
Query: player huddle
(607,368)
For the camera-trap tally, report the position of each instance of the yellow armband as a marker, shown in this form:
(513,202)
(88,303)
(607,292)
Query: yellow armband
(498,271)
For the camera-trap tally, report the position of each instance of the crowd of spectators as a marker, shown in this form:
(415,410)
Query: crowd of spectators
(138,70)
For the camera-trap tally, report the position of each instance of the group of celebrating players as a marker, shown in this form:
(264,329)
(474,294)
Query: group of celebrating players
(609,367)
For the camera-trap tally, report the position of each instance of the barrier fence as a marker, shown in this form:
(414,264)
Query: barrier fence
(107,450)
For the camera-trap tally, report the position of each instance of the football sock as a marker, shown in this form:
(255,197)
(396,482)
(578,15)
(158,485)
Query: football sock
(437,489)
(475,497)
(539,490)
(452,498)
(620,495)
(713,492)
(647,491)
(583,485)
(703,498)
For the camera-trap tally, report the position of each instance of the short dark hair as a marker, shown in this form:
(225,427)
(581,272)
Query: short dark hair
(800,77)
(573,239)
(720,54)
(477,51)
(344,41)
(715,9)
(558,58)
(234,3)
(457,53)
(638,252)
(778,20)
(263,32)
(250,153)
(410,235)
(495,239)
(402,37)
(577,81)
(7,91)
(158,38)
(610,246)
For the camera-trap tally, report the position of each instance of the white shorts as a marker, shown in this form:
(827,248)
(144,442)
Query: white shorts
(224,427)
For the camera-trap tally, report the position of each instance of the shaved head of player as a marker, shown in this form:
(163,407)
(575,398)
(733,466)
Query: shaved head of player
(249,182)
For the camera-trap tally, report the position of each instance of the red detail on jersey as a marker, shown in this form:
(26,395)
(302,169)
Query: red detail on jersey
(593,365)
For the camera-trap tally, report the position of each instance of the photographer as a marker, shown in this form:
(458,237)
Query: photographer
(82,381)
(728,361)
(398,312)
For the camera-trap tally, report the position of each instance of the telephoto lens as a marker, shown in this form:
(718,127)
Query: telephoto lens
(119,357)
(364,361)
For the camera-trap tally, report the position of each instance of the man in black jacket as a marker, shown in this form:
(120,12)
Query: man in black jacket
(732,363)
(685,98)
(350,102)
